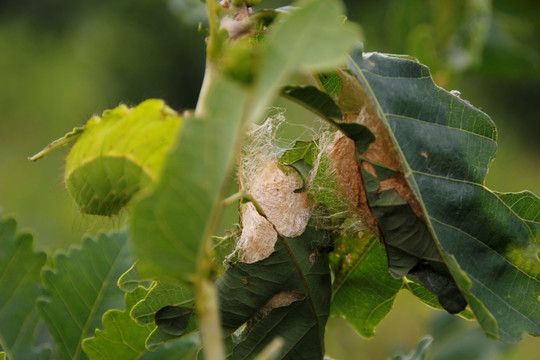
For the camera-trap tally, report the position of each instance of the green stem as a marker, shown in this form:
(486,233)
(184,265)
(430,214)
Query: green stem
(271,351)
(212,55)
(207,309)
(206,295)
(212,49)
(205,88)
(66,139)
(244,195)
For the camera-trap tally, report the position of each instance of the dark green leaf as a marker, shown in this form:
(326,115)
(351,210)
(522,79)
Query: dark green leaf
(489,241)
(323,105)
(409,244)
(301,157)
(430,299)
(173,320)
(81,287)
(287,295)
(315,100)
(159,296)
(180,349)
(302,150)
(20,267)
(442,285)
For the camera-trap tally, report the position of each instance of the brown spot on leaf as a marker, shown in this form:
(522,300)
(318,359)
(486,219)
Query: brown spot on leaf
(281,299)
(424,154)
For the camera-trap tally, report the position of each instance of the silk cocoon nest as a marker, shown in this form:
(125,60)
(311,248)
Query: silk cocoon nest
(288,201)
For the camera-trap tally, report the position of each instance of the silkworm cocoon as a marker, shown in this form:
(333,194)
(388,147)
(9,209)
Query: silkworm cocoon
(275,191)
(258,236)
(119,154)
(287,212)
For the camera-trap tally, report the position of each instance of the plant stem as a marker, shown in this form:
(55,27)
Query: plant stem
(206,296)
(212,49)
(271,351)
(244,195)
(66,139)
(206,85)
(207,308)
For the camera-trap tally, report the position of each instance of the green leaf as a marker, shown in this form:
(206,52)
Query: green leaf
(184,348)
(117,155)
(301,157)
(81,287)
(420,352)
(173,320)
(489,241)
(121,338)
(315,100)
(323,105)
(364,290)
(129,281)
(20,268)
(159,338)
(168,226)
(286,295)
(159,296)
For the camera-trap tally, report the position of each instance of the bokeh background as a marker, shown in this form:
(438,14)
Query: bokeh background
(62,61)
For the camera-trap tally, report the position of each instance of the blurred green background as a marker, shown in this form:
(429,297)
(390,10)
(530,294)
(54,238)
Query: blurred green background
(62,61)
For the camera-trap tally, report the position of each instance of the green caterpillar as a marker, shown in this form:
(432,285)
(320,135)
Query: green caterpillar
(117,155)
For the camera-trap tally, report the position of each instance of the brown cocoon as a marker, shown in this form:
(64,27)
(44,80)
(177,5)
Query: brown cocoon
(286,212)
(258,236)
(274,191)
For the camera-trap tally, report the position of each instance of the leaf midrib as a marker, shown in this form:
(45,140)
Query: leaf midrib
(308,292)
(100,296)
